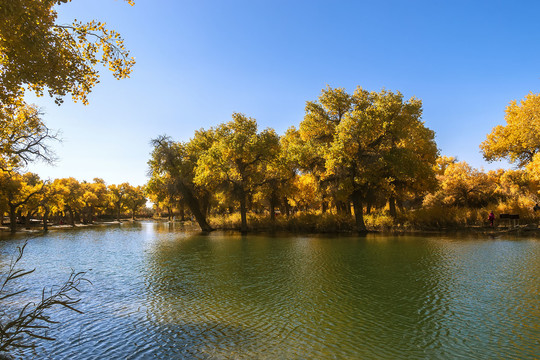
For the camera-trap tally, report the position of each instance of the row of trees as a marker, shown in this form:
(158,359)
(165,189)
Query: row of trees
(366,149)
(460,185)
(349,149)
(26,196)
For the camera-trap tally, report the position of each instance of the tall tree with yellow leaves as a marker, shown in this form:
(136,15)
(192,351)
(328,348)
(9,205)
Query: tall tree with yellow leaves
(17,190)
(235,159)
(381,146)
(519,140)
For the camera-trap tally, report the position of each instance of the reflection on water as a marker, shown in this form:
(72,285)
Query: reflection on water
(163,292)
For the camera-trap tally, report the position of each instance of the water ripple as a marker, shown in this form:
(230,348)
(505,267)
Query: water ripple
(161,294)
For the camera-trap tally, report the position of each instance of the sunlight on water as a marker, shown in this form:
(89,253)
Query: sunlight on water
(160,292)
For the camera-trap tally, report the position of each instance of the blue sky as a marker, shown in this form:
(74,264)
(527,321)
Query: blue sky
(200,61)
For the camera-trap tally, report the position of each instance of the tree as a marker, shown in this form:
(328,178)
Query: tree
(94,198)
(235,159)
(48,202)
(162,192)
(135,199)
(175,160)
(305,194)
(515,184)
(200,144)
(70,196)
(381,146)
(519,140)
(118,197)
(17,190)
(31,208)
(279,174)
(462,186)
(316,133)
(23,136)
(409,149)
(354,155)
(39,53)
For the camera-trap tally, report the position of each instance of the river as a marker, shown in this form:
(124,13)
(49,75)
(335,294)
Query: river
(159,292)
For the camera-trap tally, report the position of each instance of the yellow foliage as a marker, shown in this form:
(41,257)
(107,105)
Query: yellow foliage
(40,54)
(519,139)
(306,193)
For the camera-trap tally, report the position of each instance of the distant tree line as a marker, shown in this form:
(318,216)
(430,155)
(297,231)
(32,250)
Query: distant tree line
(24,198)
(25,138)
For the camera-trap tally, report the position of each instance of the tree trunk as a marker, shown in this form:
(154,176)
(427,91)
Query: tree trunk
(341,207)
(273,202)
(27,221)
(399,204)
(243,212)
(358,212)
(71,218)
(194,206)
(205,204)
(324,207)
(286,207)
(12,218)
(46,220)
(368,207)
(392,206)
(182,211)
(272,211)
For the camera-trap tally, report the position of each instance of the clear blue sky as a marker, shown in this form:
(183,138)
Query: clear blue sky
(200,61)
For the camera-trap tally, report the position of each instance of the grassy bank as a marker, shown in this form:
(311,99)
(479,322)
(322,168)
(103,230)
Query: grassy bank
(425,219)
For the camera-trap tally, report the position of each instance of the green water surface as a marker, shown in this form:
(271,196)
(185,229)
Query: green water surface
(160,292)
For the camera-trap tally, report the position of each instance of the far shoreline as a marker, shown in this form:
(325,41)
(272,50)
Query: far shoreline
(530,230)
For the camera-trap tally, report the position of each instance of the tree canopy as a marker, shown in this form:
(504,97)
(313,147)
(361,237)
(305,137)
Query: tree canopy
(40,54)
(235,158)
(371,142)
(519,140)
(349,148)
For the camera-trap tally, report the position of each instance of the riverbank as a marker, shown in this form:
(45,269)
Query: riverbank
(39,228)
(305,228)
(375,223)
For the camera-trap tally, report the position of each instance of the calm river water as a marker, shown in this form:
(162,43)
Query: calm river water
(161,293)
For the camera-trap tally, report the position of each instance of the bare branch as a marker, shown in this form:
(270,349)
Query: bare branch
(33,317)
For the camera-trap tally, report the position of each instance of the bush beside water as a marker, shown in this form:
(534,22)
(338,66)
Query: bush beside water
(432,218)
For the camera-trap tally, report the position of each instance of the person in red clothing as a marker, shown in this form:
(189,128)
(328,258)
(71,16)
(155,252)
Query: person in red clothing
(491,218)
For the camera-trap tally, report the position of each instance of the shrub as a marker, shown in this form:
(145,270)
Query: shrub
(379,221)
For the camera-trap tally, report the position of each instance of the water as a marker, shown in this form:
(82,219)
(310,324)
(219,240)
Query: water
(161,293)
